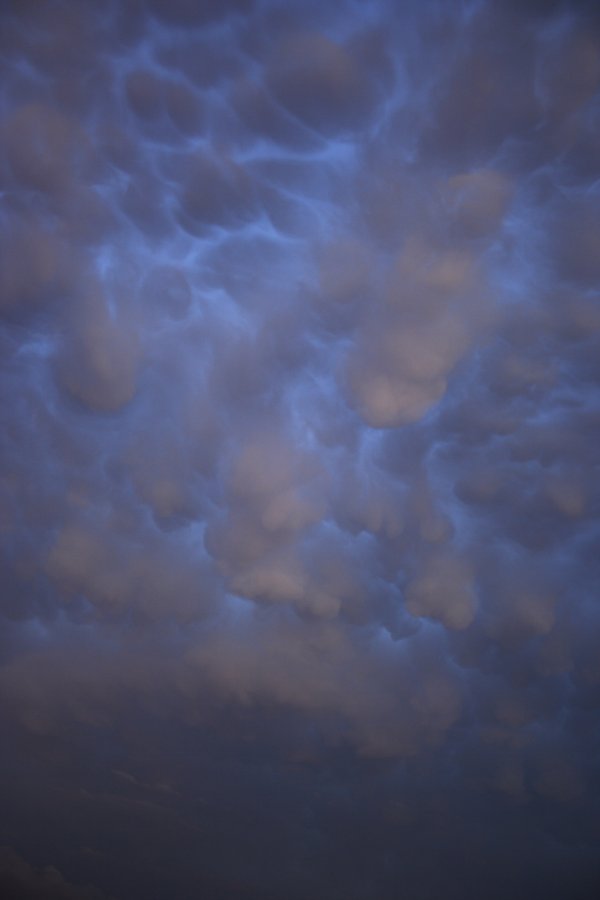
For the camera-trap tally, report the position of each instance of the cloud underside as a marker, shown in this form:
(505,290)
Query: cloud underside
(299,488)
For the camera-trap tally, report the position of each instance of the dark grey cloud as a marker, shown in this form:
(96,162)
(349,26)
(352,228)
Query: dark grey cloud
(299,492)
(21,881)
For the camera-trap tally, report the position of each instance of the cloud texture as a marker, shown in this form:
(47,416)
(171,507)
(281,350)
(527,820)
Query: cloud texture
(299,517)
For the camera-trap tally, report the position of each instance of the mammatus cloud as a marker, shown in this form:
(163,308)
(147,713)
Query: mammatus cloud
(299,489)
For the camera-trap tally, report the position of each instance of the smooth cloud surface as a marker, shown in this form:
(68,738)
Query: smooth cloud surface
(299,336)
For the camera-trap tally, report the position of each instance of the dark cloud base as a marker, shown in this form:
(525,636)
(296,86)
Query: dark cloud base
(299,495)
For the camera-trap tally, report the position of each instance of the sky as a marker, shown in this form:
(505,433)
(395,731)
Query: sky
(300,447)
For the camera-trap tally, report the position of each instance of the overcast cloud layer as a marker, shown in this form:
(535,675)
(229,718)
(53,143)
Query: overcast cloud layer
(299,516)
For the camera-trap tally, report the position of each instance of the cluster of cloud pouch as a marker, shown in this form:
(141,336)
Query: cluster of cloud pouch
(299,336)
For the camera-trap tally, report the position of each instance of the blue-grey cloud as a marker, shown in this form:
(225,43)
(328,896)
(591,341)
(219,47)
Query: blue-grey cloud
(299,491)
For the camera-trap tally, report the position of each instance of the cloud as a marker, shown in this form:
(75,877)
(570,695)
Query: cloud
(320,83)
(298,493)
(443,591)
(215,193)
(97,364)
(22,881)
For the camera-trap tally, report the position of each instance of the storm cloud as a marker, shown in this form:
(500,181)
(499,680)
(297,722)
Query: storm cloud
(299,517)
